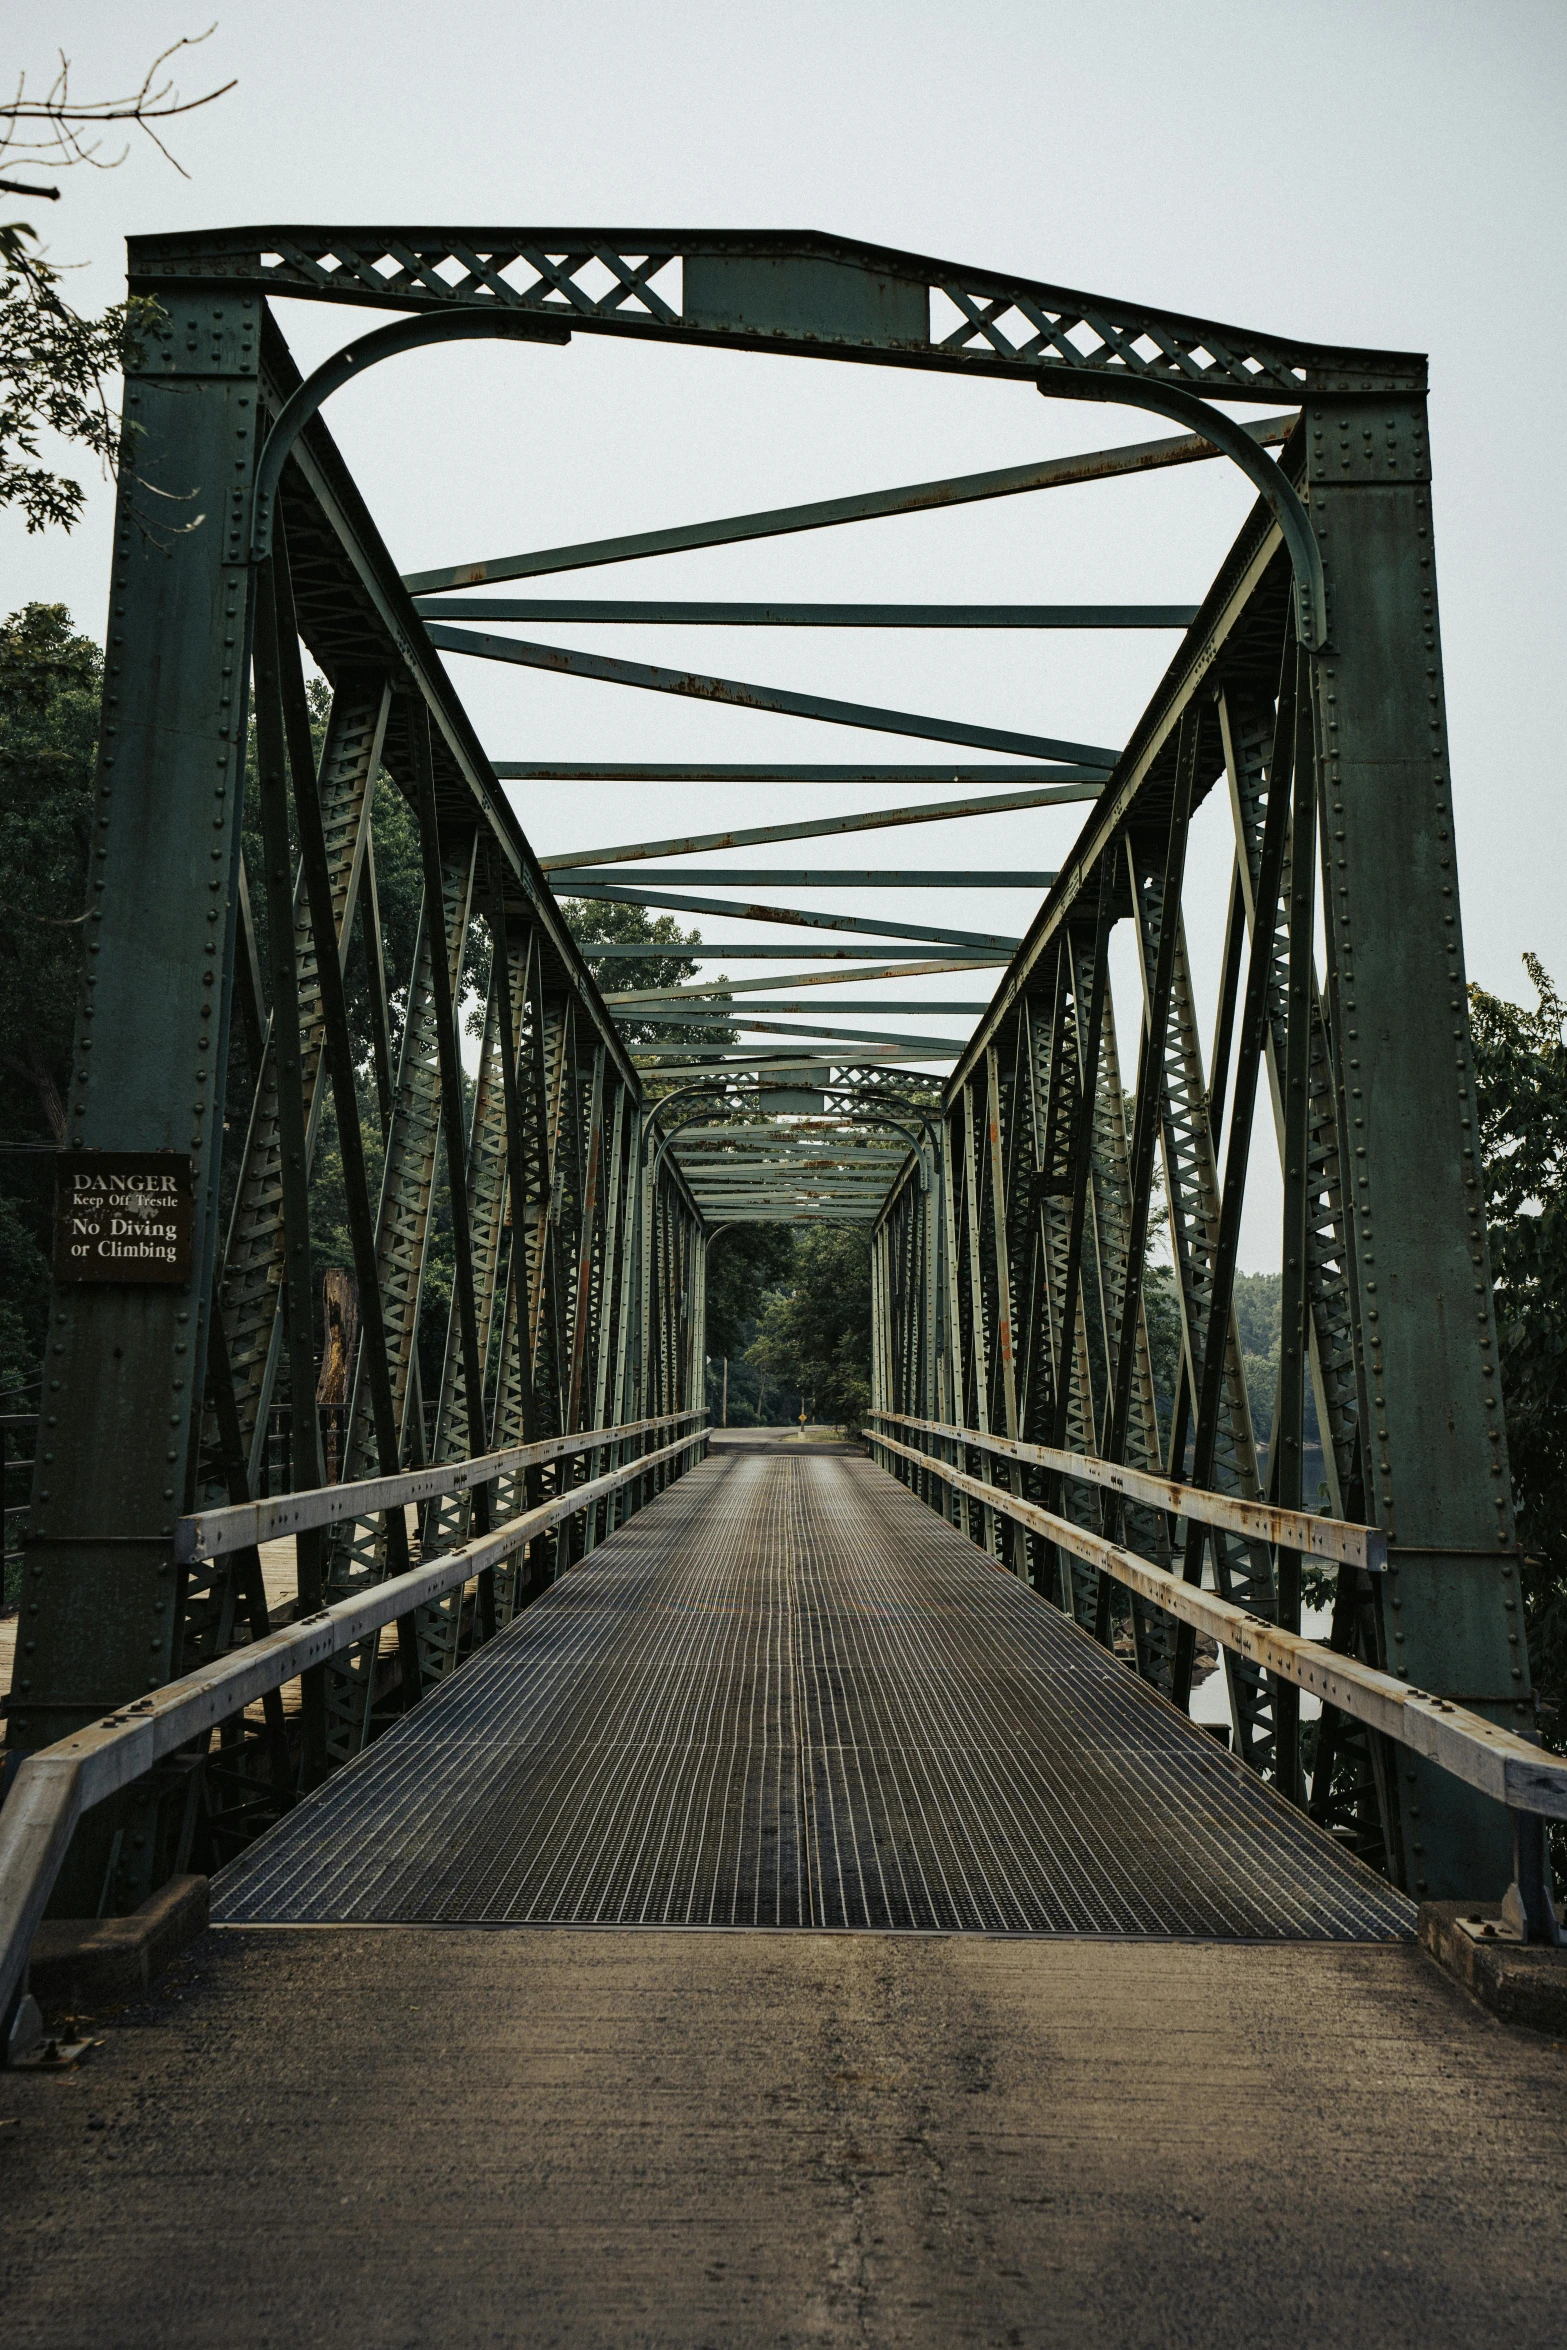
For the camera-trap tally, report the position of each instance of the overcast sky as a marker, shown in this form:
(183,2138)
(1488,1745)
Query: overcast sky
(1378,174)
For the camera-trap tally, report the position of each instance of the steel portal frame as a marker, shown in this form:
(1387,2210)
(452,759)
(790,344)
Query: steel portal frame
(1011,1261)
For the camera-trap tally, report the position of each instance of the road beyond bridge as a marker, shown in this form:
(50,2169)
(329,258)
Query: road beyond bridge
(1164,2064)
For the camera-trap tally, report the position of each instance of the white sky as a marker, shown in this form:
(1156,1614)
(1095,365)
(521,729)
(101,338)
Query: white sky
(1374,173)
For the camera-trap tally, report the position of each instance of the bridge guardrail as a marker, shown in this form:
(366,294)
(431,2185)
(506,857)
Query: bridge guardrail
(55,1787)
(1338,1540)
(1531,1783)
(209,1534)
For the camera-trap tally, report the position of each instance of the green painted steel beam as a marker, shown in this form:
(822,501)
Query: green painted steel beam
(723,987)
(743,1014)
(814,1032)
(822,827)
(734,693)
(756,951)
(657,614)
(921,497)
(772,771)
(569,880)
(681,901)
(749,1064)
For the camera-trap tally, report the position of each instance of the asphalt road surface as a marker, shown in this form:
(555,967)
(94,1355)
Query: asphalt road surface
(536,2136)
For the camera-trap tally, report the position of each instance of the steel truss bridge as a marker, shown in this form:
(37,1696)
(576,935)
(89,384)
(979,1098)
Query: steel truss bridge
(1040,1540)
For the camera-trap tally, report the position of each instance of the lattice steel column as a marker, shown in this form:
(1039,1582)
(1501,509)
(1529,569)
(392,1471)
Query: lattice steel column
(120,1425)
(402,1230)
(253,1258)
(1430,1402)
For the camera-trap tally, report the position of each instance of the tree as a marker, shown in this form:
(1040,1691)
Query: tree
(602,922)
(49,687)
(1521,1097)
(815,1332)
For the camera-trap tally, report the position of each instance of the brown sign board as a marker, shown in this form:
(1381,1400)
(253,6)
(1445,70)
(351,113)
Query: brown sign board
(122,1216)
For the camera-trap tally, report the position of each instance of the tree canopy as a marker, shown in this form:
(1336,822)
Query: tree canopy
(1521,1096)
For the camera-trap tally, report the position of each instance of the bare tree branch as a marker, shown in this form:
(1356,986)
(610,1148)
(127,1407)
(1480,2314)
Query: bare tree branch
(66,120)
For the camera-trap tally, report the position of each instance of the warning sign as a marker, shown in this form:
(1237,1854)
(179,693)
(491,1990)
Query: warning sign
(122,1216)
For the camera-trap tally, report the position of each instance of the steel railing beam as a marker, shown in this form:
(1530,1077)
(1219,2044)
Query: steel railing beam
(1336,1539)
(55,1786)
(210,1533)
(1495,1761)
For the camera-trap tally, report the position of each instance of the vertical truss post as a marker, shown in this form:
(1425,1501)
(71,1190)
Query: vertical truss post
(293,1147)
(402,1229)
(445,969)
(1073,1396)
(339,1052)
(1288,1428)
(1012,1534)
(125,1367)
(252,1264)
(1211,1349)
(1435,1449)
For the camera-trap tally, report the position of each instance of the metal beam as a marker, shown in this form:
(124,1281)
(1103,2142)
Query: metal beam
(751,1063)
(734,693)
(813,1032)
(573,609)
(571,878)
(920,497)
(741,1016)
(820,827)
(750,951)
(793,979)
(780,771)
(615,893)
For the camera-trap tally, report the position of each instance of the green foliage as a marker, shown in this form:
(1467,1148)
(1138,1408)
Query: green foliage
(1521,1095)
(55,372)
(24,1305)
(742,1265)
(815,1333)
(50,680)
(602,922)
(49,686)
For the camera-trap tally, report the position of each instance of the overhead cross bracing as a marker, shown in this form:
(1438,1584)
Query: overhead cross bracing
(600,876)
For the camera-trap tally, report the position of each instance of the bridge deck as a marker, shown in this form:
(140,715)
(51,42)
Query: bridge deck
(786,1694)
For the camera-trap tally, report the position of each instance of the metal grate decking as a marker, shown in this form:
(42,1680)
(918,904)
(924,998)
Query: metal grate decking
(786,1694)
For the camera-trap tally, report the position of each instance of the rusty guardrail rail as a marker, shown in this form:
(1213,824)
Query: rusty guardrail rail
(55,1787)
(1337,1540)
(209,1534)
(1531,1783)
